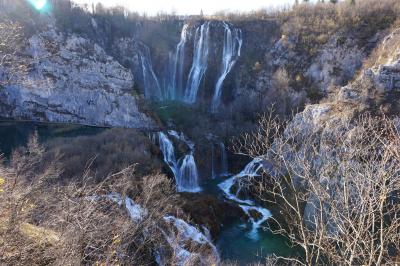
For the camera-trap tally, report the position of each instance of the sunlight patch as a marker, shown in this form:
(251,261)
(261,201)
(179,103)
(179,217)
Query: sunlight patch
(38,4)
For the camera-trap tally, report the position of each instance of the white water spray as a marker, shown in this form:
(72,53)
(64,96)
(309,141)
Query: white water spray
(185,169)
(231,52)
(248,206)
(177,63)
(152,89)
(200,63)
(186,233)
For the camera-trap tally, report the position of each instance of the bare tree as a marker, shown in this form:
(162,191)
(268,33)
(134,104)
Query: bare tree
(338,191)
(11,34)
(120,220)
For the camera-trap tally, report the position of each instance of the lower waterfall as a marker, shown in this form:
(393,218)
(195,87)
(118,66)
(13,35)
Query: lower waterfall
(185,169)
(248,206)
(224,160)
(178,242)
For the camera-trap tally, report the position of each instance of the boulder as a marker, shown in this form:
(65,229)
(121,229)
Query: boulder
(209,211)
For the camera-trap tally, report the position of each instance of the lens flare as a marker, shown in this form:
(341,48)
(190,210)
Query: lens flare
(38,4)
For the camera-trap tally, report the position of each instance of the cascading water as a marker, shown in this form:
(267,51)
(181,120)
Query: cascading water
(213,172)
(185,169)
(231,52)
(224,160)
(152,89)
(189,177)
(175,85)
(200,63)
(220,169)
(168,151)
(186,233)
(248,206)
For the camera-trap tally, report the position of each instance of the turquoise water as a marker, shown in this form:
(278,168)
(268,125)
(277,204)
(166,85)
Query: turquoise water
(234,243)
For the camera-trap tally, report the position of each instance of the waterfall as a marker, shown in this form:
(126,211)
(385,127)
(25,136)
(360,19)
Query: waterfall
(222,168)
(188,177)
(200,62)
(185,169)
(177,63)
(168,151)
(187,232)
(179,242)
(224,160)
(213,172)
(152,89)
(248,206)
(231,52)
(256,224)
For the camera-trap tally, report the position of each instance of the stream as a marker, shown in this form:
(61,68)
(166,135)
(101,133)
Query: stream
(238,241)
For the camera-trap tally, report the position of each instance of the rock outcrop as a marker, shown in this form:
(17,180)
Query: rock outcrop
(330,126)
(71,79)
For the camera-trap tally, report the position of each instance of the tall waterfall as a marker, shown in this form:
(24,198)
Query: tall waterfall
(152,89)
(231,52)
(200,62)
(175,85)
(185,169)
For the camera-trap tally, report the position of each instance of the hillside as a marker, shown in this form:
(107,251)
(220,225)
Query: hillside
(122,135)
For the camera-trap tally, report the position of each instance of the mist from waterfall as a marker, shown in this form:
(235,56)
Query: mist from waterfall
(152,88)
(231,52)
(175,86)
(185,169)
(200,62)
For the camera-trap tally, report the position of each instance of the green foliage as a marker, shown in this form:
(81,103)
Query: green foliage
(182,114)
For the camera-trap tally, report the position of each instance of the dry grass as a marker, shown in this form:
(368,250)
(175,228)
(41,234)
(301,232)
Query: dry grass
(45,221)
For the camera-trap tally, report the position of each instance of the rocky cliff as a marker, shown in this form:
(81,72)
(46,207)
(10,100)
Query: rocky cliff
(71,79)
(317,140)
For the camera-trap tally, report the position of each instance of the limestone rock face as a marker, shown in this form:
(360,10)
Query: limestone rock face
(336,64)
(71,80)
(386,71)
(329,126)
